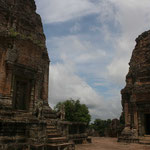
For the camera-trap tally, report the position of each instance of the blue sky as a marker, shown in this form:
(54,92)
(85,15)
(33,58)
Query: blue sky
(90,44)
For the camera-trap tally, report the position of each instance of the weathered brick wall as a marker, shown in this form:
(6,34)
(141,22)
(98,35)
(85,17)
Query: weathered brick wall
(22,42)
(24,64)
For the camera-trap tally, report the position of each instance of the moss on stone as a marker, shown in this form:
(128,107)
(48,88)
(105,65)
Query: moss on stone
(14,34)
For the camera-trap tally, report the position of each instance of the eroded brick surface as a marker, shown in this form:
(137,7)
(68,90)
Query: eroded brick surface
(136,94)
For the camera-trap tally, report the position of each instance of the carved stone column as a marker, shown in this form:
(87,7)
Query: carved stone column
(127,115)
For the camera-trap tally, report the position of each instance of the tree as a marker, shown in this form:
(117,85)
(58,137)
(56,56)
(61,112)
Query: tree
(74,111)
(101,126)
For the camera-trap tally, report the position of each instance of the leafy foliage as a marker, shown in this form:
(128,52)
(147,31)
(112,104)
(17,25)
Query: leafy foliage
(111,128)
(100,126)
(75,111)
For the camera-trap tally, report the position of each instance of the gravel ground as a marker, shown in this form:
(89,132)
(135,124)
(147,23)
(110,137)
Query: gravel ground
(99,143)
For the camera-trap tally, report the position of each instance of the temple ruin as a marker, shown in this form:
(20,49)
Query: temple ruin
(136,94)
(26,120)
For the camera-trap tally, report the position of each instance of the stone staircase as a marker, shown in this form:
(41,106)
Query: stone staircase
(14,131)
(144,140)
(56,140)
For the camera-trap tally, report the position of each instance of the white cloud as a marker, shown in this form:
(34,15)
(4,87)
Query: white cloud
(69,85)
(64,10)
(65,84)
(75,28)
(79,55)
(133,17)
(76,50)
(98,84)
(54,11)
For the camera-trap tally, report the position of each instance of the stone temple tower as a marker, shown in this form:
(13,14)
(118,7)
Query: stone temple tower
(136,94)
(24,61)
(25,116)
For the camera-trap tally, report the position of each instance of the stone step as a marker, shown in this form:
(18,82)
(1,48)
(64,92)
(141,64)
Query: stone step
(52,131)
(145,140)
(57,140)
(37,147)
(51,127)
(7,113)
(128,140)
(59,146)
(7,140)
(50,116)
(53,123)
(18,113)
(24,115)
(50,135)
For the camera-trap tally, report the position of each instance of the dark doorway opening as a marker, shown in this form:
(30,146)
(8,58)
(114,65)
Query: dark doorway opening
(22,94)
(147,124)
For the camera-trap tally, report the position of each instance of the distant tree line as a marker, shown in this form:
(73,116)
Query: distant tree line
(77,112)
(110,128)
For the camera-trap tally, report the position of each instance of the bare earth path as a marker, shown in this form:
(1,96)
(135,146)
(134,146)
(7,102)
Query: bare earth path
(99,143)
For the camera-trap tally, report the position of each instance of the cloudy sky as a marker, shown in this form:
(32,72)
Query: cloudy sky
(90,44)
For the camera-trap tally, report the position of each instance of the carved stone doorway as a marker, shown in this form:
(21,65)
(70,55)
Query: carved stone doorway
(147,124)
(22,93)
